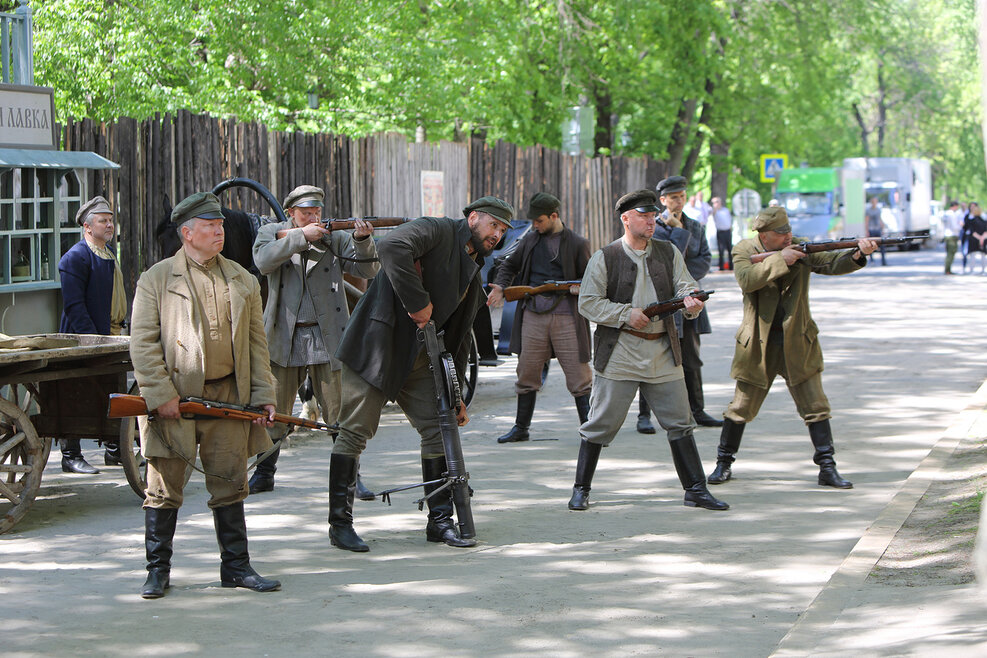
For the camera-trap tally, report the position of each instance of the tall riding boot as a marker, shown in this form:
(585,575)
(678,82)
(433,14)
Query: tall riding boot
(589,456)
(690,470)
(441,526)
(822,439)
(263,478)
(582,408)
(111,453)
(361,490)
(72,459)
(342,488)
(159,531)
(644,425)
(697,401)
(231,533)
(729,445)
(525,410)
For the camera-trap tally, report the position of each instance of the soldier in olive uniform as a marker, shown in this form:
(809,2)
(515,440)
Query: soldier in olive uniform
(779,337)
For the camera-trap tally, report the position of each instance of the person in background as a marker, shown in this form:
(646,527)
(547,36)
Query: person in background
(952,226)
(875,225)
(724,233)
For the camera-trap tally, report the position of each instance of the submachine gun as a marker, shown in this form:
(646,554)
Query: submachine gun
(448,402)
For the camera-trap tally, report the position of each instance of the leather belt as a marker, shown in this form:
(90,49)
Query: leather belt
(219,379)
(306,324)
(642,334)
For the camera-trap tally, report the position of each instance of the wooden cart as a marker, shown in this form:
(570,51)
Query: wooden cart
(58,393)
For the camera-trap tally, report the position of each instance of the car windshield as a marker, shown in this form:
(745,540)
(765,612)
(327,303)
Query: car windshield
(806,203)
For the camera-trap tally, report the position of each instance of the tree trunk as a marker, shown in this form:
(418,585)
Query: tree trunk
(982,38)
(882,107)
(603,136)
(864,132)
(680,135)
(700,137)
(720,164)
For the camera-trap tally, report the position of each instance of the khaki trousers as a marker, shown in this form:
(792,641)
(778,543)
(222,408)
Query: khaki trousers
(222,447)
(612,398)
(541,335)
(810,400)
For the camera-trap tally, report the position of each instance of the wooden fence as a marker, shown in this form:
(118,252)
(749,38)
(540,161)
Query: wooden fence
(164,159)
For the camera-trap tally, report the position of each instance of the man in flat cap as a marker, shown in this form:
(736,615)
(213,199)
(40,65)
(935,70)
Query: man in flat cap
(430,271)
(197,331)
(306,304)
(689,237)
(546,324)
(93,302)
(632,351)
(778,337)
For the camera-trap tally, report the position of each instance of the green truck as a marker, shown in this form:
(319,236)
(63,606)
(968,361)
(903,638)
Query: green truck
(812,198)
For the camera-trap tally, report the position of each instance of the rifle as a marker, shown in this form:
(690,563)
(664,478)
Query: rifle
(126,406)
(514,293)
(670,306)
(347,224)
(833,245)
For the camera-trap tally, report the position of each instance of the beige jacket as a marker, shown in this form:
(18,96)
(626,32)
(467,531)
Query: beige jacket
(166,346)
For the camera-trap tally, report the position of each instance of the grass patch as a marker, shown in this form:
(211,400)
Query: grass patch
(969,505)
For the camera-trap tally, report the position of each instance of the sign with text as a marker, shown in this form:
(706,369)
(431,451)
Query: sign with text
(27,117)
(433,194)
(771,166)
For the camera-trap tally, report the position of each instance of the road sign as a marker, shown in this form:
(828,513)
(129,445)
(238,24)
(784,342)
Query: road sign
(746,203)
(771,166)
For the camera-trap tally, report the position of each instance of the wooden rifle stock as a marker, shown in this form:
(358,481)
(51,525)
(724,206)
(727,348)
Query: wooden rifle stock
(347,224)
(833,245)
(514,293)
(667,307)
(126,406)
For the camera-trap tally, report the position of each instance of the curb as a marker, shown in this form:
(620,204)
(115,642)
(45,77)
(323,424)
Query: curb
(829,604)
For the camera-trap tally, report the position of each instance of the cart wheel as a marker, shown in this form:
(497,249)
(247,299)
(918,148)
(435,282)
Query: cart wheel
(134,466)
(21,464)
(472,371)
(23,395)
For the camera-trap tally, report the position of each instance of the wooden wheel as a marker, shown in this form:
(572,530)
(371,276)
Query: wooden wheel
(134,466)
(21,463)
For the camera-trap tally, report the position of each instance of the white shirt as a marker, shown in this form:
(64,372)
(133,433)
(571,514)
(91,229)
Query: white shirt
(723,219)
(952,223)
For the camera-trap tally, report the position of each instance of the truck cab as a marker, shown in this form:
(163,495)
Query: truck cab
(811,197)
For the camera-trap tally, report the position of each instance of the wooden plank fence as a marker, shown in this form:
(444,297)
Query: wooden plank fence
(165,158)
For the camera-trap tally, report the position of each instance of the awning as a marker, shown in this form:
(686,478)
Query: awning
(41,159)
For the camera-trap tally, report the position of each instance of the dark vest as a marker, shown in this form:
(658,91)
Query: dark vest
(621,275)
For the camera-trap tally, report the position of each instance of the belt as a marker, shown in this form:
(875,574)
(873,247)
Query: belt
(218,379)
(306,324)
(642,334)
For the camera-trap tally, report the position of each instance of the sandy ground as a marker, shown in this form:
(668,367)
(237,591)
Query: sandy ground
(637,574)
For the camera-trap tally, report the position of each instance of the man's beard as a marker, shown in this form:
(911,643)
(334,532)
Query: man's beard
(479,244)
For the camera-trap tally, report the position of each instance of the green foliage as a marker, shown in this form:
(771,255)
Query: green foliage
(761,75)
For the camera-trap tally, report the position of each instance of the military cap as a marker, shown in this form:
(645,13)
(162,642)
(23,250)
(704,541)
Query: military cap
(773,218)
(95,206)
(543,203)
(496,208)
(671,185)
(202,205)
(641,200)
(305,196)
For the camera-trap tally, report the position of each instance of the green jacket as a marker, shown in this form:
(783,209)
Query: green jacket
(768,284)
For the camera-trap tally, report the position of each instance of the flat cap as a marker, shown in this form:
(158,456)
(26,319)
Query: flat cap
(641,200)
(202,205)
(95,206)
(772,218)
(305,196)
(496,208)
(543,203)
(671,185)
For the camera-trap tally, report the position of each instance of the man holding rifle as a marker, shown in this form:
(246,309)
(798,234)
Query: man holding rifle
(779,337)
(197,331)
(633,351)
(546,325)
(306,305)
(430,271)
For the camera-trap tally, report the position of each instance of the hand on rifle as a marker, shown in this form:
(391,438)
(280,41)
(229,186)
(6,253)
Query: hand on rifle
(692,305)
(574,290)
(461,416)
(422,317)
(169,409)
(638,319)
(496,297)
(269,421)
(791,254)
(362,229)
(313,232)
(866,246)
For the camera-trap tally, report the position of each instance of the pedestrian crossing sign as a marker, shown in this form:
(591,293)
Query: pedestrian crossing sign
(771,166)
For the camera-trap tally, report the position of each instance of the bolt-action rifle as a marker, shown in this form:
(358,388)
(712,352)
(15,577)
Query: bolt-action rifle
(834,245)
(347,224)
(514,293)
(669,306)
(127,406)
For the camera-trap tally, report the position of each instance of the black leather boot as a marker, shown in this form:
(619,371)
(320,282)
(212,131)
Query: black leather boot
(342,489)
(231,533)
(589,456)
(690,470)
(159,531)
(111,453)
(263,478)
(525,410)
(441,526)
(729,445)
(697,402)
(822,439)
(361,490)
(644,425)
(582,408)
(72,459)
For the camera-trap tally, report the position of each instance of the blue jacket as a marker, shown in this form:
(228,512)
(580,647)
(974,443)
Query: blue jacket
(87,288)
(691,241)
